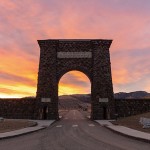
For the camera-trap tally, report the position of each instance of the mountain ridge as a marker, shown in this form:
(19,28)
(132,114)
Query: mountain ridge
(84,100)
(132,95)
(119,95)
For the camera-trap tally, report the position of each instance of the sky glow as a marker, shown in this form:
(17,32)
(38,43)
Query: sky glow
(24,22)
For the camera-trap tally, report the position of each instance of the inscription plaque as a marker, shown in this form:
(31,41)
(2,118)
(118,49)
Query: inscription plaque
(74,54)
(103,100)
(46,100)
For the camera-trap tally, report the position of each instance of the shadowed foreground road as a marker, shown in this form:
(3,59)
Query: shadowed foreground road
(73,132)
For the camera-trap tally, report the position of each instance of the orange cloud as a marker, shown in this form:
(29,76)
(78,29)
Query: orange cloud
(74,82)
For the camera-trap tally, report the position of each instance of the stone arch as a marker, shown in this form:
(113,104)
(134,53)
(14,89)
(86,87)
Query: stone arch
(88,56)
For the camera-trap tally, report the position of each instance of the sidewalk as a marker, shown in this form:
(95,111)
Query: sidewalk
(125,131)
(41,125)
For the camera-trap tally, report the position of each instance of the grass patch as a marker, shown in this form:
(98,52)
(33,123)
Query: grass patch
(10,125)
(133,122)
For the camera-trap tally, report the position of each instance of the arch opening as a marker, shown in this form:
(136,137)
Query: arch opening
(74,90)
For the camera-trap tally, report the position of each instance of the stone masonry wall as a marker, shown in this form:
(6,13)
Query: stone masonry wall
(129,107)
(27,108)
(18,108)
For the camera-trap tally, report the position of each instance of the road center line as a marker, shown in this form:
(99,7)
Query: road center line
(74,125)
(58,126)
(91,125)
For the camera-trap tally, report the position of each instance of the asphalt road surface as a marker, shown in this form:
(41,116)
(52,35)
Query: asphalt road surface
(73,132)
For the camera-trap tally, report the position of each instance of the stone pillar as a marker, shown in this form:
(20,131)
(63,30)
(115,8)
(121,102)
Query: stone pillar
(47,88)
(102,82)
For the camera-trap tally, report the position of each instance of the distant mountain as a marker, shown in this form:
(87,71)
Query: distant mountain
(132,95)
(76,101)
(123,95)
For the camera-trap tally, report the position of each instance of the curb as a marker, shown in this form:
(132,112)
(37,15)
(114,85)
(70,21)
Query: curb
(7,137)
(130,136)
(27,132)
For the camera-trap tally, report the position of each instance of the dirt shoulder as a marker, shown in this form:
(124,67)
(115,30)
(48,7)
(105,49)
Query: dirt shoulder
(10,125)
(133,122)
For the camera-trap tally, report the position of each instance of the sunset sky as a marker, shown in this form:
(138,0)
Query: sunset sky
(23,22)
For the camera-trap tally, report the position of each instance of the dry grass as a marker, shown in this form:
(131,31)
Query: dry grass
(10,125)
(133,122)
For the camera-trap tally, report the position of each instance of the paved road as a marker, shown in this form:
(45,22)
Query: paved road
(73,132)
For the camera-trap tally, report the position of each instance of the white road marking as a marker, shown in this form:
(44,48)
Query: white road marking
(75,125)
(91,125)
(58,126)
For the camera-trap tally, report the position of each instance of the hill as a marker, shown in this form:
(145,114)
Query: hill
(132,95)
(76,101)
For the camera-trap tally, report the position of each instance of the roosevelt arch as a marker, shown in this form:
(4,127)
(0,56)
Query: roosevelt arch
(90,56)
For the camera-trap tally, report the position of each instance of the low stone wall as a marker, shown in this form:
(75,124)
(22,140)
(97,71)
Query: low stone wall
(129,107)
(25,108)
